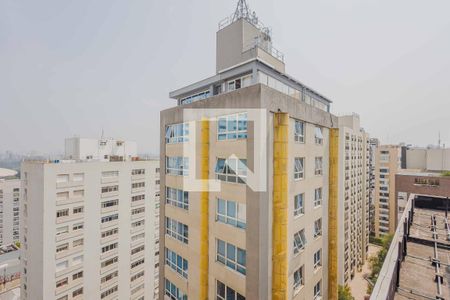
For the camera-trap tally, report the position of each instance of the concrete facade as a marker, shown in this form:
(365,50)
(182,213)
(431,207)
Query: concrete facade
(433,159)
(9,211)
(88,230)
(99,149)
(387,164)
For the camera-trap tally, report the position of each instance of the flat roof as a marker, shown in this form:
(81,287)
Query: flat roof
(417,272)
(7,172)
(415,172)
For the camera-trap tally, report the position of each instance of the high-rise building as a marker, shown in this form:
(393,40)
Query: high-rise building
(9,207)
(88,229)
(250,158)
(104,149)
(354,189)
(373,146)
(387,164)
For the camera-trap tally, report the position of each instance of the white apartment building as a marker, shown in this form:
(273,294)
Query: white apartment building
(89,229)
(104,149)
(354,191)
(9,207)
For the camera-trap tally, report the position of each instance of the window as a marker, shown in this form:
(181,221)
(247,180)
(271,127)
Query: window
(317,290)
(110,232)
(78,210)
(77,292)
(177,263)
(224,292)
(137,185)
(62,266)
(137,263)
(173,292)
(110,203)
(62,230)
(77,260)
(110,218)
(109,262)
(62,213)
(110,174)
(138,237)
(317,228)
(177,133)
(196,97)
(138,224)
(299,168)
(177,166)
(317,197)
(177,198)
(299,131)
(231,256)
(62,282)
(109,247)
(109,189)
(231,212)
(318,166)
(109,292)
(137,276)
(137,198)
(231,170)
(77,275)
(317,258)
(138,172)
(77,243)
(78,193)
(77,177)
(299,278)
(137,249)
(62,178)
(318,136)
(299,205)
(177,230)
(109,276)
(136,211)
(60,298)
(232,127)
(299,241)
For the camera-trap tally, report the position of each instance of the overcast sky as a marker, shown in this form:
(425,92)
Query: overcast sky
(77,67)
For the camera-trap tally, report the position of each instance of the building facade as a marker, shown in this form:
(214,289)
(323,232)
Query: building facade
(234,226)
(354,193)
(9,211)
(387,164)
(104,149)
(373,146)
(87,230)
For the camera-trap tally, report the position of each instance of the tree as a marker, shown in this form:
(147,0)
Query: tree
(345,293)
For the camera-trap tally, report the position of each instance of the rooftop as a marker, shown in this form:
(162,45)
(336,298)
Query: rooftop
(7,173)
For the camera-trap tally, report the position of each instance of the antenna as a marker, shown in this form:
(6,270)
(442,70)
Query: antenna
(242,11)
(439,139)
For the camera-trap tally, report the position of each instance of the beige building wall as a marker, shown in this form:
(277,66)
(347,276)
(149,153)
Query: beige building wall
(387,164)
(9,211)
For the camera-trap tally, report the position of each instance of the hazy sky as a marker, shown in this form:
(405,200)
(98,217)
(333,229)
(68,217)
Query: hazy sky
(77,67)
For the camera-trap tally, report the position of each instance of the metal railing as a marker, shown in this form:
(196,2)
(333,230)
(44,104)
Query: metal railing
(265,46)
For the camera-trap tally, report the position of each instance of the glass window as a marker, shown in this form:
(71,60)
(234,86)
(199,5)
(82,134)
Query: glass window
(231,170)
(318,135)
(177,230)
(299,241)
(232,127)
(317,197)
(318,166)
(317,290)
(299,205)
(299,278)
(299,168)
(317,228)
(299,131)
(177,165)
(317,258)
(173,292)
(224,292)
(231,212)
(195,97)
(177,263)
(177,133)
(177,198)
(231,256)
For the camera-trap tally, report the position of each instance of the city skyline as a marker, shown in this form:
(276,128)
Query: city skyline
(93,67)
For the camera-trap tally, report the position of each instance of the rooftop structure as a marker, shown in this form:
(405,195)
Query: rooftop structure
(7,173)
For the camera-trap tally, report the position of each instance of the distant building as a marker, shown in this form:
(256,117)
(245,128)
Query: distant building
(99,149)
(89,227)
(9,207)
(354,190)
(430,159)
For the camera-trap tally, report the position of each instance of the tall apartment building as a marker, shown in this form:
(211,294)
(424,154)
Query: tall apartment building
(9,207)
(88,229)
(354,190)
(373,146)
(234,226)
(104,149)
(387,164)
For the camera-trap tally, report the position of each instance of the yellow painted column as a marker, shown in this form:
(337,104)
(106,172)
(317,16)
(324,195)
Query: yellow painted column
(204,209)
(333,215)
(280,205)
